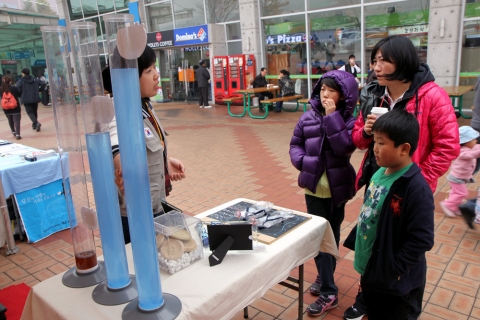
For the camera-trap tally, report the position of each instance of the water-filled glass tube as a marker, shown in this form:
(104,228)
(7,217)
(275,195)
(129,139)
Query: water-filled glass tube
(128,113)
(97,112)
(55,42)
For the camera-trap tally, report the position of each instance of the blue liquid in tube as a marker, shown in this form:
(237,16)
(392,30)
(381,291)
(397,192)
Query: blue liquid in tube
(108,209)
(128,113)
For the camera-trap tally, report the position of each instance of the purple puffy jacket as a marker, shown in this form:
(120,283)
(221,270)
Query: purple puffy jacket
(325,142)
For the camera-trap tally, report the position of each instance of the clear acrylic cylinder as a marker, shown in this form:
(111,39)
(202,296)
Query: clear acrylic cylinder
(56,46)
(128,114)
(97,113)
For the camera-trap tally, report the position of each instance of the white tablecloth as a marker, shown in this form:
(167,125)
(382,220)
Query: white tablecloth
(18,175)
(205,292)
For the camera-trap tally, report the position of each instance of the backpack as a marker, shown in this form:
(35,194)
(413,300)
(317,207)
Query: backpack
(8,101)
(330,49)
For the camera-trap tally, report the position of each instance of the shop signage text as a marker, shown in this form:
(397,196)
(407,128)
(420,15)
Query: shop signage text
(160,39)
(191,35)
(285,38)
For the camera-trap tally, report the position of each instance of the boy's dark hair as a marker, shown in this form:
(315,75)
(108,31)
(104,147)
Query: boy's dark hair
(263,68)
(329,82)
(351,56)
(400,126)
(400,51)
(26,71)
(284,72)
(147,58)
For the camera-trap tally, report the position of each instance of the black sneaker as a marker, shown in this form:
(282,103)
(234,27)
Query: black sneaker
(322,304)
(353,314)
(468,214)
(316,286)
(38,126)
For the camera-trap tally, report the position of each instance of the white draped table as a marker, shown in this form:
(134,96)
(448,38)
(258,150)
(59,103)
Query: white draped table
(206,292)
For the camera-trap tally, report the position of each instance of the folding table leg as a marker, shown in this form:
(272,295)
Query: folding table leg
(11,247)
(300,292)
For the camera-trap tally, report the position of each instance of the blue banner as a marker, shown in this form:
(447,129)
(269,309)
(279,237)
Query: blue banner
(191,35)
(17,55)
(43,210)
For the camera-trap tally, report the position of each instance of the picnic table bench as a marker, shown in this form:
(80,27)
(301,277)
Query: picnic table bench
(269,102)
(304,102)
(229,101)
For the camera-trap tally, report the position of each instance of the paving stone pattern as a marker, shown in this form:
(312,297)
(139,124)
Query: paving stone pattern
(228,158)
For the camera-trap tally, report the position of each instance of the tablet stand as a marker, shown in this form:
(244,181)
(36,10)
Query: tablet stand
(217,256)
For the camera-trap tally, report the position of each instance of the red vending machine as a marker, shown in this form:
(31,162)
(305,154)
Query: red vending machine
(220,78)
(250,69)
(242,71)
(235,64)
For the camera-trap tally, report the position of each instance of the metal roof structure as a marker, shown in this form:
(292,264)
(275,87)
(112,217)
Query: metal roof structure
(20,29)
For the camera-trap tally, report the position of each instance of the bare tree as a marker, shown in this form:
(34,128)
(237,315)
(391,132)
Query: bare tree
(218,10)
(29,6)
(43,6)
(273,7)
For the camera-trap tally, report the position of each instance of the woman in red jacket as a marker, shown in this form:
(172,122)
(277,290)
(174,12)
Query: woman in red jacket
(405,83)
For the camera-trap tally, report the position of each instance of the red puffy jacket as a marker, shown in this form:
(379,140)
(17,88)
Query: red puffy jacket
(438,144)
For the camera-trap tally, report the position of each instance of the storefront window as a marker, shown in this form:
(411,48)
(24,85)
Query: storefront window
(75,8)
(159,16)
(285,48)
(233,31)
(188,13)
(100,35)
(105,6)
(472,9)
(276,7)
(471,47)
(334,36)
(89,8)
(235,47)
(470,64)
(121,4)
(221,10)
(408,18)
(315,4)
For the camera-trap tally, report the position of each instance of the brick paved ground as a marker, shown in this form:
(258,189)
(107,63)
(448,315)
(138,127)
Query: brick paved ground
(228,158)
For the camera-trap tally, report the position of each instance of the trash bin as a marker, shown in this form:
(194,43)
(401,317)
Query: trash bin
(255,101)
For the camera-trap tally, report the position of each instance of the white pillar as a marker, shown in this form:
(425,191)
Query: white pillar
(444,28)
(251,30)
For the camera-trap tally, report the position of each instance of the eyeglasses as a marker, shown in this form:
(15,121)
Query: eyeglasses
(262,226)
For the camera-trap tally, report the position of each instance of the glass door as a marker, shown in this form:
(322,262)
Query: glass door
(183,63)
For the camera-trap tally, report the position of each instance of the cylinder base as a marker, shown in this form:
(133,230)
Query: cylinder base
(170,310)
(73,279)
(102,294)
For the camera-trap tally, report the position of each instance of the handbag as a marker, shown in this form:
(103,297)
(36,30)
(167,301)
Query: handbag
(167,207)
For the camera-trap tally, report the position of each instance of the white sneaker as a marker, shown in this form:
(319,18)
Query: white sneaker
(447,211)
(206,107)
(201,106)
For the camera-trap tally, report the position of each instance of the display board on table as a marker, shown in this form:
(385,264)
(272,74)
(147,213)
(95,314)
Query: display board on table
(43,210)
(267,235)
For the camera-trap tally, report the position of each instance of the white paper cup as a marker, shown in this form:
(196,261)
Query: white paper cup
(379,111)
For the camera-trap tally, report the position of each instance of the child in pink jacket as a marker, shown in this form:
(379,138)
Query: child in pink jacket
(461,171)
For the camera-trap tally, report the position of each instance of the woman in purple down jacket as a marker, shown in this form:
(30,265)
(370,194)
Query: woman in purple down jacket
(320,149)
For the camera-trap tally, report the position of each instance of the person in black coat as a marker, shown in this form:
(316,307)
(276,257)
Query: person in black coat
(259,82)
(29,87)
(203,76)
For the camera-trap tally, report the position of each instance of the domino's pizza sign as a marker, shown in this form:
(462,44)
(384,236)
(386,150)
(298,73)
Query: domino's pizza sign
(191,35)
